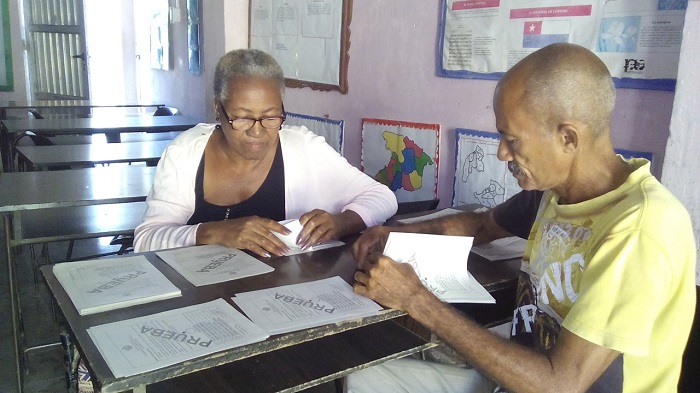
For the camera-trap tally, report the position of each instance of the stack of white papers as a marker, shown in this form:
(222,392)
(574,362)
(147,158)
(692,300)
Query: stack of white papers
(500,249)
(441,264)
(300,306)
(210,264)
(437,214)
(148,343)
(110,283)
(291,239)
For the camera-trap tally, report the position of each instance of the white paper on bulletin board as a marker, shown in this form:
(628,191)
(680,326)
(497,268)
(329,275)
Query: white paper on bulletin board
(638,40)
(331,130)
(402,155)
(304,36)
(480,177)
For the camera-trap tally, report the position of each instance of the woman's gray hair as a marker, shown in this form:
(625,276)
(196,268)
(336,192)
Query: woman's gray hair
(245,63)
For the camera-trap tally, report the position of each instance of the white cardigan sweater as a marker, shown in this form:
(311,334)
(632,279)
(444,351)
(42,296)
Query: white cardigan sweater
(315,177)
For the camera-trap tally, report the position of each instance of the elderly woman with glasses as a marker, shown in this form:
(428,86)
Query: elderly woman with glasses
(231,183)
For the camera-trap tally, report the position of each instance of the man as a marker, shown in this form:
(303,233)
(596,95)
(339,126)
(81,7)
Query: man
(606,293)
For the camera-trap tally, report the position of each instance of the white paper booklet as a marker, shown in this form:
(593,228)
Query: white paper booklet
(291,239)
(105,284)
(500,249)
(441,264)
(210,264)
(148,343)
(300,306)
(440,213)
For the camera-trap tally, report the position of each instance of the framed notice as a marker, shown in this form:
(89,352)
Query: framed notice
(638,40)
(6,78)
(310,39)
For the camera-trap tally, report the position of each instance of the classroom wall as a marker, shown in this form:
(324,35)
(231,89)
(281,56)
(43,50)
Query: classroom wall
(682,149)
(392,75)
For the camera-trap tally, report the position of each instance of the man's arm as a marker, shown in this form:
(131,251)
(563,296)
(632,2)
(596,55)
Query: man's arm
(572,366)
(480,225)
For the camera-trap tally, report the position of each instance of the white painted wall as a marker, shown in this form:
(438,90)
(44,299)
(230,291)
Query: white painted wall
(682,166)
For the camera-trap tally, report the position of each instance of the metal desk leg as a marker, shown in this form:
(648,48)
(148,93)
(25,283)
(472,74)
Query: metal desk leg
(14,302)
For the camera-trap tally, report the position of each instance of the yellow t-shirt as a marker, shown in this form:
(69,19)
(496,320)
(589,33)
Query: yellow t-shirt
(618,271)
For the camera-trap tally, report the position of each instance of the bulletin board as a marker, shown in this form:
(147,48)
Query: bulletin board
(310,39)
(638,40)
(6,77)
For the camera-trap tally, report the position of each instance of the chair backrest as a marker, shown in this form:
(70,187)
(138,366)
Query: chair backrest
(166,111)
(417,206)
(35,113)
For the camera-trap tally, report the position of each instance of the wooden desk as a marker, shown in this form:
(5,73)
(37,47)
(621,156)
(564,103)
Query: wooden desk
(43,157)
(287,362)
(110,126)
(76,106)
(26,192)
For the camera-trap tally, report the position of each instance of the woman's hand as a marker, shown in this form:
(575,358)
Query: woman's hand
(319,226)
(248,233)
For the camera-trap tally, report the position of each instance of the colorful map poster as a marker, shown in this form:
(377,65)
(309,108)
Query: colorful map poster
(403,156)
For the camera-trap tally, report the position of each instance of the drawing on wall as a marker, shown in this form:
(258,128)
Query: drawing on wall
(160,37)
(480,177)
(402,155)
(331,130)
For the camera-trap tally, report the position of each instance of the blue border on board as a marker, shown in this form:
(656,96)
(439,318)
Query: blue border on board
(341,123)
(470,132)
(620,83)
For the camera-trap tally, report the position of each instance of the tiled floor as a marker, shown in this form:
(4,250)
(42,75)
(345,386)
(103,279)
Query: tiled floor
(46,370)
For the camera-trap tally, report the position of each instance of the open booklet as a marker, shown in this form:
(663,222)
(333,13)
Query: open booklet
(300,306)
(110,283)
(291,239)
(211,264)
(441,264)
(137,345)
(499,249)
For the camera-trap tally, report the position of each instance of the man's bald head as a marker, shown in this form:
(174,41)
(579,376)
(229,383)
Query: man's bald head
(563,82)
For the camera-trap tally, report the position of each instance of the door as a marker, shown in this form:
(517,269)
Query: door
(56,50)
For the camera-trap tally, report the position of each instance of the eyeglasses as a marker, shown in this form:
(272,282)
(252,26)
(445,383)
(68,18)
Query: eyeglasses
(246,123)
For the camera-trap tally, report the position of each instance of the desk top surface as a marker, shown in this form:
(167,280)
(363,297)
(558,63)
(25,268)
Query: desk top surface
(4,104)
(102,124)
(93,153)
(78,187)
(288,270)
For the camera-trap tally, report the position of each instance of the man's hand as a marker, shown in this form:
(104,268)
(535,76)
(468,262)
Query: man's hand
(248,233)
(371,240)
(388,282)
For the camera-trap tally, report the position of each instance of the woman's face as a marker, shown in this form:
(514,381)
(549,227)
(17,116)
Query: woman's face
(253,98)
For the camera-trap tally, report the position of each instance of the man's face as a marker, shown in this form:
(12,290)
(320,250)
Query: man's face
(535,155)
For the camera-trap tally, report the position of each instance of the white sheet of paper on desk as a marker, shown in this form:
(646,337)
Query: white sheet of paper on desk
(106,284)
(210,264)
(305,305)
(291,239)
(441,264)
(437,214)
(148,343)
(500,249)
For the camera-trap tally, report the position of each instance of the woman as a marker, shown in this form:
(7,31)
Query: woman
(231,183)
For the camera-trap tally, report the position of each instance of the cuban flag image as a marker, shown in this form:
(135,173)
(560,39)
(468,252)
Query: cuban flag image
(539,34)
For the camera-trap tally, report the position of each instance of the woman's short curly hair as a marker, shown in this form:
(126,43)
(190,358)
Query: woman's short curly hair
(245,63)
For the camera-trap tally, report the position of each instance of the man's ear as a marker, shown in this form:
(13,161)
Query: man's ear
(568,136)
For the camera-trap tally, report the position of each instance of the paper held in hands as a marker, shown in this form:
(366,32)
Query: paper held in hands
(441,264)
(291,239)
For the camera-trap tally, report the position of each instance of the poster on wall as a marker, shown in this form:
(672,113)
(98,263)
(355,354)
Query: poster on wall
(331,130)
(638,40)
(402,155)
(480,177)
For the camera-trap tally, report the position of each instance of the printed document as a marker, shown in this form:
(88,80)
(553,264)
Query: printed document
(300,306)
(441,264)
(148,343)
(500,249)
(211,264)
(291,239)
(106,284)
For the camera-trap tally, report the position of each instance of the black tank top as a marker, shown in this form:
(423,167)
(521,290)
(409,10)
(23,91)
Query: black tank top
(267,201)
